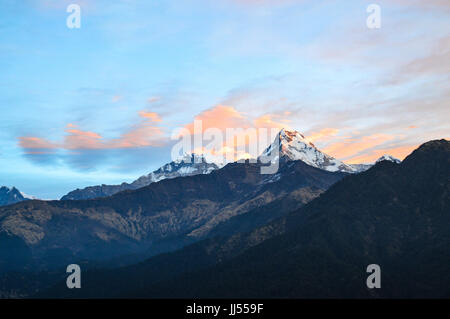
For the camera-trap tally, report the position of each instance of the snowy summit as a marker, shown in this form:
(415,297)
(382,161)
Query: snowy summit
(293,146)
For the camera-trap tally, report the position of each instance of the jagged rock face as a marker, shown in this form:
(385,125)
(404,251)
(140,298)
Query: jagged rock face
(187,166)
(293,146)
(158,217)
(10,196)
(287,146)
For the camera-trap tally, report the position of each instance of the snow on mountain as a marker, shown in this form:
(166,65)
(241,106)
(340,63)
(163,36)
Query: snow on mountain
(189,164)
(388,157)
(293,146)
(358,168)
(26,196)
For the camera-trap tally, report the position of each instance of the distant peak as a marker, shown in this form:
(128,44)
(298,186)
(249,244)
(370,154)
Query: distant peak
(290,136)
(190,157)
(293,145)
(9,189)
(388,157)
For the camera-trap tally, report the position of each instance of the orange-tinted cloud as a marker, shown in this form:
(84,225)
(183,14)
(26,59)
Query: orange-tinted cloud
(36,143)
(224,117)
(273,121)
(150,115)
(141,136)
(145,133)
(240,131)
(78,139)
(351,147)
(220,117)
(323,135)
(399,152)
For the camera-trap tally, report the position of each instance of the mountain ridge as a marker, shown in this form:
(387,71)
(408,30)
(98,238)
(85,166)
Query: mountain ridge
(159,217)
(395,215)
(188,165)
(289,146)
(9,196)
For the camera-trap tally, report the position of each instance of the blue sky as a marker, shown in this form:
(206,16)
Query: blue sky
(97,104)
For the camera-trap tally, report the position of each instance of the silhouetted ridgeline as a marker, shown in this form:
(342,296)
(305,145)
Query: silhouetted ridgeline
(393,215)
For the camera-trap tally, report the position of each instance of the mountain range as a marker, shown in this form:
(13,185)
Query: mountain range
(160,217)
(394,215)
(212,232)
(290,145)
(186,166)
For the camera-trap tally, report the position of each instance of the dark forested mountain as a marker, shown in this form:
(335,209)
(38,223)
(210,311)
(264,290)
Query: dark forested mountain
(186,166)
(358,168)
(10,196)
(157,218)
(393,215)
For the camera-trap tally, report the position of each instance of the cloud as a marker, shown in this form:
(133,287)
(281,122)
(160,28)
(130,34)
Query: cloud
(277,121)
(223,117)
(242,135)
(143,134)
(220,117)
(78,139)
(349,147)
(323,135)
(36,143)
(433,64)
(150,115)
(371,156)
(153,99)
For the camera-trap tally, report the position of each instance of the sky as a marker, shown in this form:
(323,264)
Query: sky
(99,104)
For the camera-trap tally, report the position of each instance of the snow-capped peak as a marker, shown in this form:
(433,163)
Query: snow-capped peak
(293,146)
(191,158)
(388,157)
(186,165)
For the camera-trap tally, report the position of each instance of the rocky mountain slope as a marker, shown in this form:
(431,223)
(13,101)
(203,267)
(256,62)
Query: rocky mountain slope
(287,146)
(293,146)
(393,215)
(10,196)
(156,218)
(186,166)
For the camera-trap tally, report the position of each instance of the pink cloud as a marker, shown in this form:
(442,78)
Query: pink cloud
(351,147)
(399,152)
(145,133)
(150,115)
(323,135)
(36,143)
